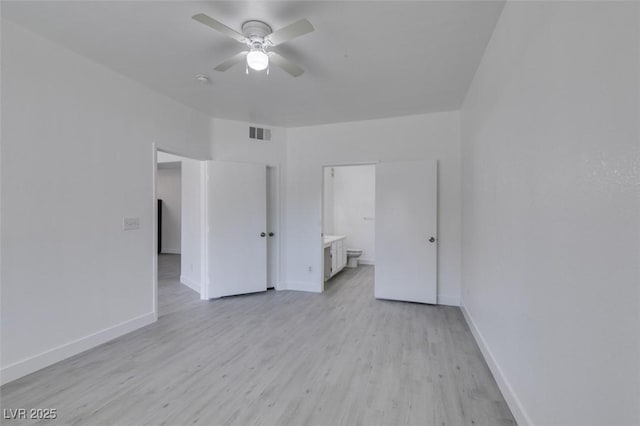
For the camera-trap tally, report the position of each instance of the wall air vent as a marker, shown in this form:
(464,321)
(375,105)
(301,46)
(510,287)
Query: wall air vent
(259,133)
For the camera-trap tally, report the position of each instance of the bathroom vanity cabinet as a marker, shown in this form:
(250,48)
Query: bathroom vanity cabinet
(335,255)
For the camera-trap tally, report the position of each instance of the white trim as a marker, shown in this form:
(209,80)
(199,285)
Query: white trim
(29,365)
(278,231)
(169,251)
(307,286)
(192,284)
(154,233)
(366,262)
(204,232)
(516,407)
(321,264)
(448,300)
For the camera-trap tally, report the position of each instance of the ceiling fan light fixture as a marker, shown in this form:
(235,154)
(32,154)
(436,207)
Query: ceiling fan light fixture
(257,60)
(258,37)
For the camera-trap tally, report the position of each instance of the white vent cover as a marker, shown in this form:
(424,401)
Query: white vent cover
(259,133)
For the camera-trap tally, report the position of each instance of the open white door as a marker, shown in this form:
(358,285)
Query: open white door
(237,226)
(406,225)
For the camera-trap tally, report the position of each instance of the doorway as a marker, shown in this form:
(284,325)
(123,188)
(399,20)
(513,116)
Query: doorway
(402,207)
(348,225)
(169,220)
(230,227)
(178,242)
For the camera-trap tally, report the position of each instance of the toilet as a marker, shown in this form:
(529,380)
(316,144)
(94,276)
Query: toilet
(352,257)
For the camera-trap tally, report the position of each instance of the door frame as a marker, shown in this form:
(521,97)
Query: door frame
(154,223)
(322,167)
(279,227)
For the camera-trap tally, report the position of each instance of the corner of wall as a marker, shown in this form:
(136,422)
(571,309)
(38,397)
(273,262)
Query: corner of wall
(448,300)
(191,283)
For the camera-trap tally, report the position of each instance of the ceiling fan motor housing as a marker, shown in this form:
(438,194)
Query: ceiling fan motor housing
(256,30)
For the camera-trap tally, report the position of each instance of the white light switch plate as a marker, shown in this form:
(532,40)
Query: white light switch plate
(130,223)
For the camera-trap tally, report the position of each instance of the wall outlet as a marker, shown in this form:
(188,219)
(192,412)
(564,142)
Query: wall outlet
(130,223)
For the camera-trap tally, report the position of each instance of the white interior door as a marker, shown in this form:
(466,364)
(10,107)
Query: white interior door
(272,227)
(406,222)
(237,226)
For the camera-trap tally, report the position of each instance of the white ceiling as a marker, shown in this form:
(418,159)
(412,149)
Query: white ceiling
(365,60)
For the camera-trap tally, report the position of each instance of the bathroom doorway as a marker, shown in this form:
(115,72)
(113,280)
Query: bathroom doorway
(348,220)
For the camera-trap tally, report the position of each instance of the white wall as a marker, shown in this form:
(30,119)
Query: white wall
(71,278)
(551,230)
(354,208)
(169,190)
(231,143)
(427,136)
(191,268)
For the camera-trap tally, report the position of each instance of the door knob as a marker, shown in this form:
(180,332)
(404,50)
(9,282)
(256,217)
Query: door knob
(262,234)
(432,240)
(271,234)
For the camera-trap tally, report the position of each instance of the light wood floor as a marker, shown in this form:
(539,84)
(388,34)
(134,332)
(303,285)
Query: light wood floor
(276,358)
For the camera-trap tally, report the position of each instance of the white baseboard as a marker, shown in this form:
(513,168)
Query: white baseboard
(301,286)
(366,262)
(27,366)
(516,407)
(192,284)
(448,300)
(169,251)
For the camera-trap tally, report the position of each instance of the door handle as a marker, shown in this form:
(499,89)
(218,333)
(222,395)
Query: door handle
(432,240)
(271,234)
(262,234)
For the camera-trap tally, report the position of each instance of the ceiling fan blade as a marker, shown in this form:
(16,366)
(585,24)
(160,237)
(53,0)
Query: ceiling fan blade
(289,32)
(219,26)
(231,61)
(283,63)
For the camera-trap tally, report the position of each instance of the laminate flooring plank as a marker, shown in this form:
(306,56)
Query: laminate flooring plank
(275,358)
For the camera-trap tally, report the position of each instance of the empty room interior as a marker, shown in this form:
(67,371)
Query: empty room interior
(320,213)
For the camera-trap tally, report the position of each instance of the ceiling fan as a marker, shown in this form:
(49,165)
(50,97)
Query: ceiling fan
(259,37)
